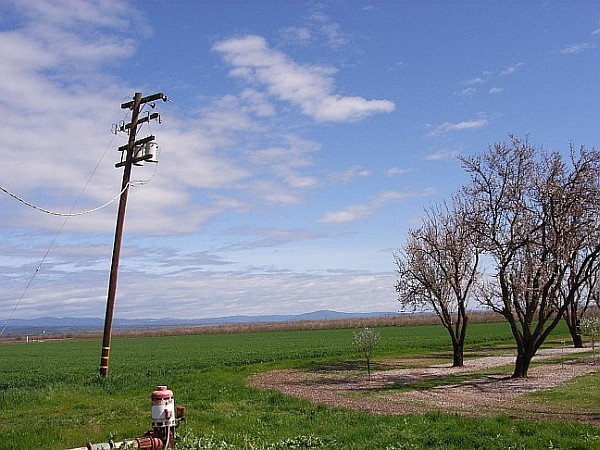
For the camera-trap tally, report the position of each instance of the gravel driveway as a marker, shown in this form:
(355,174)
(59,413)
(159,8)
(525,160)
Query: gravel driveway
(478,395)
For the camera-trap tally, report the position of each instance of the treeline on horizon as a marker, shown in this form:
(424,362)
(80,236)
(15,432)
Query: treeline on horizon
(371,322)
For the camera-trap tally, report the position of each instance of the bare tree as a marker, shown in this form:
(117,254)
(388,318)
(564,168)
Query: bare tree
(437,268)
(537,217)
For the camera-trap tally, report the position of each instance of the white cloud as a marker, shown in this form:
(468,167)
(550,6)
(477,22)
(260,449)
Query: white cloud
(196,283)
(394,171)
(258,103)
(311,88)
(105,13)
(495,90)
(207,166)
(76,33)
(300,35)
(575,48)
(511,69)
(319,28)
(49,75)
(352,213)
(474,81)
(255,237)
(330,30)
(447,127)
(352,173)
(213,294)
(441,155)
(396,66)
(347,215)
(486,77)
(286,160)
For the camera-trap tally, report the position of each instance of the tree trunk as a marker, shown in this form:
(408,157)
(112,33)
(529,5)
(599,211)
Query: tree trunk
(522,364)
(577,340)
(458,359)
(573,323)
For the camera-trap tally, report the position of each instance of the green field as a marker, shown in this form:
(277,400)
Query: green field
(51,396)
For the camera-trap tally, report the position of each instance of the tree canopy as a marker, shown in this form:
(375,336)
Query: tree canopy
(533,217)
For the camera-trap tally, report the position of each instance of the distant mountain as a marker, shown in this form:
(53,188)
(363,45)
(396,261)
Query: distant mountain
(54,325)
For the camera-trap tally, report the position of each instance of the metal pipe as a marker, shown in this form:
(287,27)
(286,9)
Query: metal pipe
(141,443)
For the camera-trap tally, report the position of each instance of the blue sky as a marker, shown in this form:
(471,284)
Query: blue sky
(300,143)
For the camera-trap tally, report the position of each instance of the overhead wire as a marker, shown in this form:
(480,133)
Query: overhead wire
(55,213)
(80,213)
(134,183)
(67,216)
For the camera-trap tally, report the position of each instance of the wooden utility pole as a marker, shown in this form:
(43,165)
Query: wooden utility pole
(130,159)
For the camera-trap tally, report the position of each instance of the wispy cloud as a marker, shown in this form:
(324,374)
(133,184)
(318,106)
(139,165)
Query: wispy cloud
(51,73)
(579,47)
(197,284)
(447,127)
(442,155)
(299,35)
(76,35)
(331,30)
(351,174)
(355,212)
(486,77)
(226,293)
(511,69)
(258,237)
(228,156)
(311,88)
(395,171)
(396,66)
(318,28)
(475,81)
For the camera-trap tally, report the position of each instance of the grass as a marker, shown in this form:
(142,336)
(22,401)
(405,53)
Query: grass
(51,396)
(579,395)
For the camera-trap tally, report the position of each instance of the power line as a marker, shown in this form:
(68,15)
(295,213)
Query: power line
(39,266)
(54,213)
(72,214)
(81,213)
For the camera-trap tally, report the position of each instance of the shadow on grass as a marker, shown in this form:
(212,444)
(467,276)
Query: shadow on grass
(339,366)
(421,382)
(390,376)
(360,365)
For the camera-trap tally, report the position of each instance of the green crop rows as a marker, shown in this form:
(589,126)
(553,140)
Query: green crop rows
(51,396)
